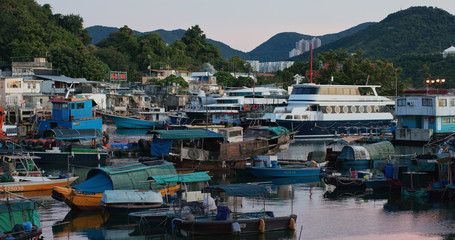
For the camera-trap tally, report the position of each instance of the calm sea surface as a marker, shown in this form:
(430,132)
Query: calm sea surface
(322,212)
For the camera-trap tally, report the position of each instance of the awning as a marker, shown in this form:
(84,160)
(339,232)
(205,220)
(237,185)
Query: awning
(238,190)
(131,196)
(69,134)
(187,178)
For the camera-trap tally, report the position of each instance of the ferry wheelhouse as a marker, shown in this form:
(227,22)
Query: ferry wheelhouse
(330,110)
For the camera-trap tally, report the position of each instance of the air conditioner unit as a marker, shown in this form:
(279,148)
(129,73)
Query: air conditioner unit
(411,103)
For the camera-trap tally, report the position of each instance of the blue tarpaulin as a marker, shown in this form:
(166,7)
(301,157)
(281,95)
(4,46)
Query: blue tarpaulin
(97,184)
(160,147)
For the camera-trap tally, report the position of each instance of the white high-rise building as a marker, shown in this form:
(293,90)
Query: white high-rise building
(304,46)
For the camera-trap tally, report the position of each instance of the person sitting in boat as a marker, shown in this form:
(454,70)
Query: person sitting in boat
(209,205)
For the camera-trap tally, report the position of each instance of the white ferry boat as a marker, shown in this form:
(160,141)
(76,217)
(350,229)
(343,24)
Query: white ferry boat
(331,110)
(237,105)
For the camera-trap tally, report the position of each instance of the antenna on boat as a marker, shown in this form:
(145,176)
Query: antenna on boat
(69,90)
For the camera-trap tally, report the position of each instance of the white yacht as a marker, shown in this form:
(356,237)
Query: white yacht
(330,110)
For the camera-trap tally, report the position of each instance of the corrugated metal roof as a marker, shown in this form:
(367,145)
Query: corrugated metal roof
(62,78)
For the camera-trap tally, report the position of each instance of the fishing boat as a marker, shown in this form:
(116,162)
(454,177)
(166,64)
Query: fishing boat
(69,146)
(329,110)
(365,156)
(144,119)
(20,174)
(122,202)
(71,113)
(19,219)
(207,150)
(237,223)
(87,195)
(268,167)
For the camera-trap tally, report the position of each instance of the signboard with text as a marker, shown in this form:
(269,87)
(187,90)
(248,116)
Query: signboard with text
(118,76)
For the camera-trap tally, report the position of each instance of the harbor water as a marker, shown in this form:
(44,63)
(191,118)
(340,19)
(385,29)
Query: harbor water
(322,212)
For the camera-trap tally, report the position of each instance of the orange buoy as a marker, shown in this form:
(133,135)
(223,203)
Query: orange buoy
(291,224)
(261,227)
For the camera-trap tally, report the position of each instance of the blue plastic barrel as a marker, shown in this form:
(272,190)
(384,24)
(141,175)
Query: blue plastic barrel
(389,171)
(27,226)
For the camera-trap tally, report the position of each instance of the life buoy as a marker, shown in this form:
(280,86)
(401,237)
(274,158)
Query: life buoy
(255,107)
(246,107)
(431,120)
(105,138)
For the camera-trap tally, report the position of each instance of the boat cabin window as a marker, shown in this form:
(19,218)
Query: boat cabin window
(64,106)
(80,106)
(446,120)
(304,116)
(453,120)
(442,102)
(401,102)
(452,102)
(305,90)
(235,133)
(296,116)
(57,106)
(73,106)
(312,108)
(288,116)
(427,102)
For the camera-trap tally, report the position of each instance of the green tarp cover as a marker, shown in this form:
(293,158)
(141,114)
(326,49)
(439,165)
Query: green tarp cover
(186,134)
(380,150)
(278,130)
(134,176)
(238,190)
(187,178)
(19,209)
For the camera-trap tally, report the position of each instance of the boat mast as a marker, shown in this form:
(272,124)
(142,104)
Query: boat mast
(311,62)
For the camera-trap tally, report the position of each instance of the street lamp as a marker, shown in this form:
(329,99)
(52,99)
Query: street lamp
(434,81)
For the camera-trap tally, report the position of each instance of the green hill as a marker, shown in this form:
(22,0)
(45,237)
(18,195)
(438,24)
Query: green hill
(275,49)
(420,30)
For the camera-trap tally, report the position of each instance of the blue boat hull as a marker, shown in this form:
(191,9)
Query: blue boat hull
(329,128)
(266,172)
(132,123)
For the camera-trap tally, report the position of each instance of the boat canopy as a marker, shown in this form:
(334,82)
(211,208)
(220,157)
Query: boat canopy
(186,134)
(186,178)
(23,210)
(131,196)
(127,176)
(375,151)
(238,190)
(70,134)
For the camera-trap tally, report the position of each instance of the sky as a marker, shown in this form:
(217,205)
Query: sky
(241,24)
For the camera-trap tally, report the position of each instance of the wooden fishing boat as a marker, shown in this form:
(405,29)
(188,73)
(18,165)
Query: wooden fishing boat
(207,150)
(86,196)
(26,176)
(123,202)
(239,223)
